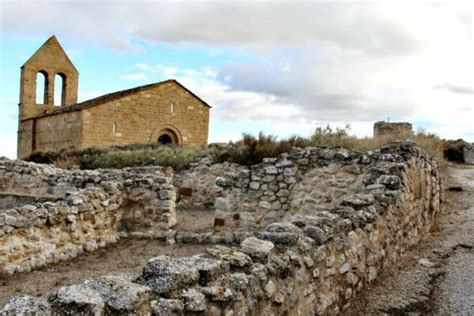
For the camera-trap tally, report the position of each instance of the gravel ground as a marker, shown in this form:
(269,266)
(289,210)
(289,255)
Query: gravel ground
(454,293)
(436,277)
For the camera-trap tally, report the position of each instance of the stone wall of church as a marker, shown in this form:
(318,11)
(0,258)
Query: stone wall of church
(140,117)
(49,133)
(59,131)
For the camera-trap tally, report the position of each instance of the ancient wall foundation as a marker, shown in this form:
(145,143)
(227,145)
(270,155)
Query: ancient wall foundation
(66,212)
(299,234)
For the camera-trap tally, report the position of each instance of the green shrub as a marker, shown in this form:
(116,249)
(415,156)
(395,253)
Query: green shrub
(124,156)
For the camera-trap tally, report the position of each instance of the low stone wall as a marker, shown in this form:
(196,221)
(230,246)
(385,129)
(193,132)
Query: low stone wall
(311,181)
(99,207)
(14,200)
(196,185)
(311,262)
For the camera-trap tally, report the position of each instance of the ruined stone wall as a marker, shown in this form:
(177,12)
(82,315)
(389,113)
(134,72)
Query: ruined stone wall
(306,260)
(87,209)
(8,200)
(196,185)
(140,118)
(468,152)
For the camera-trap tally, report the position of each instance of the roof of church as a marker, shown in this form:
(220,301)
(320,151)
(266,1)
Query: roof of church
(116,95)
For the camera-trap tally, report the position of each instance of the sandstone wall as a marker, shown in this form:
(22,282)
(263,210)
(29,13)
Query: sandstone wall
(140,118)
(58,131)
(88,209)
(306,260)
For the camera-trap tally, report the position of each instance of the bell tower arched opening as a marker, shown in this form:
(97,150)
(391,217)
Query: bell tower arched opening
(42,83)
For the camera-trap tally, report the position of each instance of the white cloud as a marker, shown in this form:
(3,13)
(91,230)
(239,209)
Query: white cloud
(134,77)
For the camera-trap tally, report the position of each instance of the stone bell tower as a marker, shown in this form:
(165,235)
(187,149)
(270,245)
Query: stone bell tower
(51,64)
(49,61)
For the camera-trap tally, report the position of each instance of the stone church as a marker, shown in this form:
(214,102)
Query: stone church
(165,112)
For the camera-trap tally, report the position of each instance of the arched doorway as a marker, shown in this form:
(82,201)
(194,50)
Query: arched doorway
(167,136)
(165,139)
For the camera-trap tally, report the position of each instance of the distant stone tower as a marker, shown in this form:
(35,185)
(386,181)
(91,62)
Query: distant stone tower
(49,61)
(382,128)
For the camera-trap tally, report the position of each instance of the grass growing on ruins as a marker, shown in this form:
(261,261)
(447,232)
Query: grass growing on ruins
(124,156)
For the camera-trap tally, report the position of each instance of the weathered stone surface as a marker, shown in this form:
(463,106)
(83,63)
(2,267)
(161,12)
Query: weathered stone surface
(282,228)
(76,299)
(164,274)
(164,306)
(283,238)
(257,248)
(391,182)
(194,300)
(358,200)
(236,259)
(218,293)
(121,295)
(315,233)
(209,269)
(26,305)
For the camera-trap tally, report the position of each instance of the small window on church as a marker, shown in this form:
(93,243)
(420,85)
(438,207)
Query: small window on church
(114,128)
(172,108)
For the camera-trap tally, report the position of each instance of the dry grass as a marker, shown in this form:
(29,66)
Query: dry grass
(251,150)
(247,151)
(125,156)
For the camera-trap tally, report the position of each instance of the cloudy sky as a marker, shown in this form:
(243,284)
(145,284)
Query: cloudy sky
(281,67)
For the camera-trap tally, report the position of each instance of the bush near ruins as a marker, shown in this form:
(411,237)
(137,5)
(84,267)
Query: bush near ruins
(249,150)
(123,156)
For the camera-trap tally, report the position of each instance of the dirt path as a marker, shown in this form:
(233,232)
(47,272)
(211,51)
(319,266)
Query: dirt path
(454,293)
(437,277)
